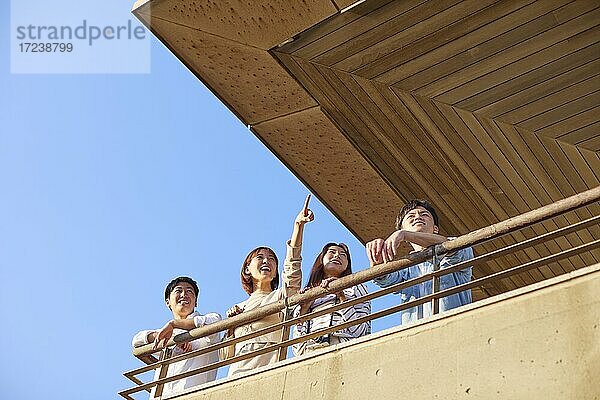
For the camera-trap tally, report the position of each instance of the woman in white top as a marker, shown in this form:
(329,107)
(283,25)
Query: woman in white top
(260,279)
(332,263)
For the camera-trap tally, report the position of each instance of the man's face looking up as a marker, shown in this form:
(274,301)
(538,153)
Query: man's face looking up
(182,299)
(419,220)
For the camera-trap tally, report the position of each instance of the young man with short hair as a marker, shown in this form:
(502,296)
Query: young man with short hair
(181,296)
(417,224)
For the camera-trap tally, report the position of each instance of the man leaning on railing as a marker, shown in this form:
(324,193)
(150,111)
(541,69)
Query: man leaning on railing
(417,224)
(181,296)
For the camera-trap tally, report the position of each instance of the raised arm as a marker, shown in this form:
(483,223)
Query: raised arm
(305,215)
(292,266)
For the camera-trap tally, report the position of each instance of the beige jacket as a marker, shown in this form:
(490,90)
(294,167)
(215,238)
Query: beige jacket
(291,283)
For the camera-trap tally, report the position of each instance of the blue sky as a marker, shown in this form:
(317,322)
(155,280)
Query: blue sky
(111,185)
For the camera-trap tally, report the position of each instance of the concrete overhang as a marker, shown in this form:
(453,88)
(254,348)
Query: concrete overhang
(488,109)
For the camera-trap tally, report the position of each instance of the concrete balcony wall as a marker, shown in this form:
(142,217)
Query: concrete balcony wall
(538,342)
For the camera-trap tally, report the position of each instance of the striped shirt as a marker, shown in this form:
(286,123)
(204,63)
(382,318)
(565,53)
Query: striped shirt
(332,319)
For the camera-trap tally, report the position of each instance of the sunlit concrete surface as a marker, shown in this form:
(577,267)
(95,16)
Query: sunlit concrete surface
(538,342)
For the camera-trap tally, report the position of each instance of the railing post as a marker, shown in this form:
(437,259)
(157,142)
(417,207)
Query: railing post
(435,282)
(167,352)
(285,331)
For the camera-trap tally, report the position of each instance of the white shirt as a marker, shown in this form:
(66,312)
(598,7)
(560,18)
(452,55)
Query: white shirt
(170,388)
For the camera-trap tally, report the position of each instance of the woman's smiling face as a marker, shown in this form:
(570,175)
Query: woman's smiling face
(263,266)
(335,261)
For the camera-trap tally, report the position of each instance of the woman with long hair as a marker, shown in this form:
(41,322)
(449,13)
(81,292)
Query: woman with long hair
(332,262)
(260,279)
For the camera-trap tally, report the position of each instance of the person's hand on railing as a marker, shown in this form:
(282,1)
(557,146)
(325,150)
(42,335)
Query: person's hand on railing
(380,251)
(232,312)
(383,251)
(325,284)
(305,305)
(235,310)
(163,335)
(391,244)
(185,347)
(374,250)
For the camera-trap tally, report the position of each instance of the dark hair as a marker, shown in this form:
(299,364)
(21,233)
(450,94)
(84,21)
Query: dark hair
(316,272)
(411,205)
(177,280)
(246,279)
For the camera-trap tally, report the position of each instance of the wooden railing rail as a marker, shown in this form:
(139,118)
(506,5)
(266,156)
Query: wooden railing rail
(476,237)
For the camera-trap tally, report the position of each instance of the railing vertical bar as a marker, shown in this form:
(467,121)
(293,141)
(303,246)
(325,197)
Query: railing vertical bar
(435,283)
(163,372)
(285,331)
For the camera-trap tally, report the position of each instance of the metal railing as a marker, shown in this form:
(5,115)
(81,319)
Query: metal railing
(477,237)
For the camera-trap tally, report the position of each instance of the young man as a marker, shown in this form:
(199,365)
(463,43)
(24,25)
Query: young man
(181,296)
(417,224)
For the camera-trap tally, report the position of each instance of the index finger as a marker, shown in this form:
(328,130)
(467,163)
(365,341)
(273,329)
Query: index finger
(305,209)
